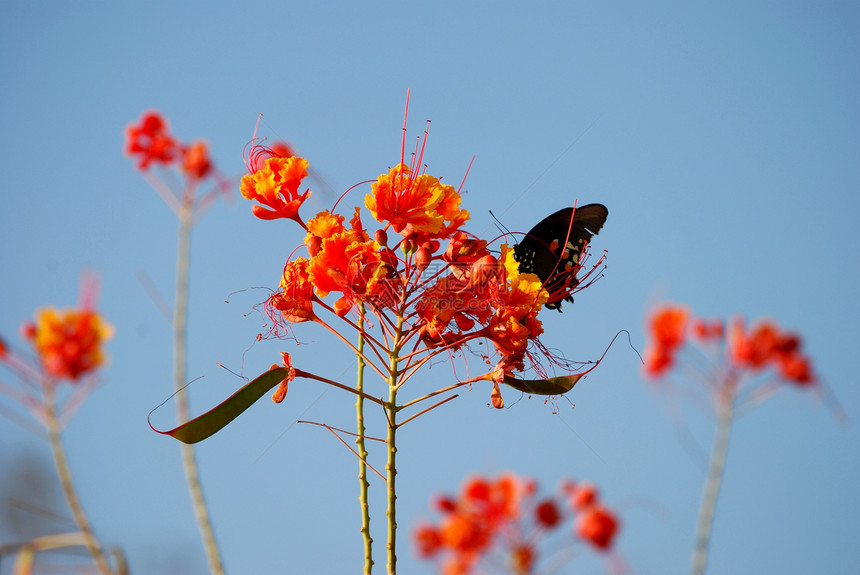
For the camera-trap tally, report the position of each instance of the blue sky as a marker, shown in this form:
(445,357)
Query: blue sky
(724,140)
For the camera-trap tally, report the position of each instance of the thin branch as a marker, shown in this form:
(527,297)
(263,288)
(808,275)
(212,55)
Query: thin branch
(339,438)
(423,411)
(153,293)
(306,375)
(485,377)
(65,475)
(339,430)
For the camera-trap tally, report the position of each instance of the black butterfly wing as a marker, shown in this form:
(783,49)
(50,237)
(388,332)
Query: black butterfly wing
(551,250)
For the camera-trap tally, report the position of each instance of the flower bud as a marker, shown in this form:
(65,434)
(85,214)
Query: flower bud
(496,397)
(423,257)
(381,237)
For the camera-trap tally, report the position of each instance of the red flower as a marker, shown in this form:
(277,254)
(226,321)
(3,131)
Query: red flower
(795,368)
(707,330)
(583,496)
(753,350)
(195,160)
(658,360)
(151,141)
(495,516)
(598,526)
(427,540)
(668,326)
(667,329)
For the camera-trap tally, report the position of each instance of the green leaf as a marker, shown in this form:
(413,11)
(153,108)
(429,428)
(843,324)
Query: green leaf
(549,386)
(218,417)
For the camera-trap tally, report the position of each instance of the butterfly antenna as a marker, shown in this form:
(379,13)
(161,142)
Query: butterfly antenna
(500,226)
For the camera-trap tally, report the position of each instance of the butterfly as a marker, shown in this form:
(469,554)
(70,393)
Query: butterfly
(551,250)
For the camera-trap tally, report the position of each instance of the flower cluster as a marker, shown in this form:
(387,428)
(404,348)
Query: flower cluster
(594,522)
(70,342)
(442,285)
(764,345)
(151,142)
(69,346)
(504,515)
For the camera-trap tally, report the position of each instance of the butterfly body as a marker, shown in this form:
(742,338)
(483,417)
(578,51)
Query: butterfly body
(552,249)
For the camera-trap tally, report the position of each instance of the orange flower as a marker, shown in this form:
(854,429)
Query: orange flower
(668,326)
(598,526)
(458,565)
(766,346)
(493,516)
(449,299)
(345,265)
(751,350)
(583,495)
(151,141)
(514,324)
(69,342)
(658,360)
(465,532)
(195,160)
(427,540)
(419,204)
(256,156)
(295,300)
(755,349)
(522,559)
(280,393)
(276,185)
(795,368)
(325,225)
(496,397)
(707,330)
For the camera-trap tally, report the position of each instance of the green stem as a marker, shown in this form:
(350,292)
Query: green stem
(362,451)
(65,475)
(391,439)
(391,473)
(180,343)
(713,482)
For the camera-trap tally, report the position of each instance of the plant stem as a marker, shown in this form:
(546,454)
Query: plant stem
(391,439)
(712,484)
(180,336)
(65,475)
(362,451)
(391,473)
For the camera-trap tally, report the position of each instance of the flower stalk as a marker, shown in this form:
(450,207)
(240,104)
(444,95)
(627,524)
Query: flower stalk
(731,359)
(150,143)
(391,410)
(180,346)
(363,484)
(704,526)
(65,474)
